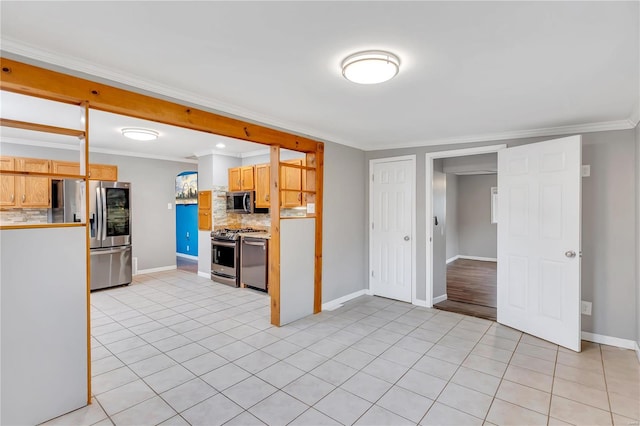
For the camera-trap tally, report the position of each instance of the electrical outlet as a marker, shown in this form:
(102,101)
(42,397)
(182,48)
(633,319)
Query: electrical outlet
(187,248)
(169,206)
(586,170)
(585,308)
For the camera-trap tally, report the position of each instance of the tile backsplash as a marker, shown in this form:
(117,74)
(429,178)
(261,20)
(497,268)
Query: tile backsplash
(222,219)
(23,216)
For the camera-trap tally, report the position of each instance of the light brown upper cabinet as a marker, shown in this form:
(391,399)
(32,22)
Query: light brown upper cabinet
(291,181)
(241,179)
(103,172)
(8,183)
(204,210)
(25,191)
(263,186)
(96,171)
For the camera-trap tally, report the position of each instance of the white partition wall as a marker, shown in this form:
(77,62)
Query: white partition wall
(297,256)
(44,323)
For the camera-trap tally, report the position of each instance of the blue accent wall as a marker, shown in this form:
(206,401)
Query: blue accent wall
(187,229)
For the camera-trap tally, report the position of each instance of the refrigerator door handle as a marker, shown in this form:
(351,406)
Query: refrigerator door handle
(99,213)
(98,252)
(104,214)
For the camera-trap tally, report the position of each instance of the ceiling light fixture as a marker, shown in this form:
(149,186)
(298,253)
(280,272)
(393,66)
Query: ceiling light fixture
(220,145)
(370,67)
(140,134)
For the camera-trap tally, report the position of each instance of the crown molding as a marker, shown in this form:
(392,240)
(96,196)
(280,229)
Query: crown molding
(70,64)
(522,134)
(206,152)
(54,145)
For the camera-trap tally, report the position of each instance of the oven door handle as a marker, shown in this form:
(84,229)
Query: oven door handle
(223,243)
(215,255)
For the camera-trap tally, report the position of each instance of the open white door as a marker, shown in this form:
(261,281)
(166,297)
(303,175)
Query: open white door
(391,237)
(539,214)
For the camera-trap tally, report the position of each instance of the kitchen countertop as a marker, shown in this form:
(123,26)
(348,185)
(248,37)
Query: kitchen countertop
(265,235)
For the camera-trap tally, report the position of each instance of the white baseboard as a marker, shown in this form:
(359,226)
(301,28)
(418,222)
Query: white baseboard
(440,299)
(187,256)
(152,270)
(611,341)
(484,259)
(421,303)
(337,303)
(454,258)
(204,274)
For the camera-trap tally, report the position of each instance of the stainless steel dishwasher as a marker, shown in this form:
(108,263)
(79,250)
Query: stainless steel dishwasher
(253,262)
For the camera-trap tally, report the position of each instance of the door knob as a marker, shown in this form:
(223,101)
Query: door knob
(570,253)
(406,238)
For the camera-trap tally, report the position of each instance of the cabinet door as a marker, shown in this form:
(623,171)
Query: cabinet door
(103,172)
(235,179)
(247,178)
(65,167)
(263,187)
(7,183)
(204,210)
(291,179)
(34,191)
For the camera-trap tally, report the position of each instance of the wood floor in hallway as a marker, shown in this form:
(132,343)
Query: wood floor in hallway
(471,288)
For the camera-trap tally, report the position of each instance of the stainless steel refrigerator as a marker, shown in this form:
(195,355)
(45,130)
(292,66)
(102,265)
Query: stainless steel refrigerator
(110,233)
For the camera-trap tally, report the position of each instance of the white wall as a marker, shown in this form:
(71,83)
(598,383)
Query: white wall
(608,232)
(213,170)
(638,239)
(43,323)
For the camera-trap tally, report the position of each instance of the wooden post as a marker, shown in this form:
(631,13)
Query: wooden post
(274,242)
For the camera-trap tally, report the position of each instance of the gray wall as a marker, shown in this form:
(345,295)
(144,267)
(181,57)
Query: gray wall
(452,216)
(153,225)
(477,236)
(344,249)
(439,230)
(609,226)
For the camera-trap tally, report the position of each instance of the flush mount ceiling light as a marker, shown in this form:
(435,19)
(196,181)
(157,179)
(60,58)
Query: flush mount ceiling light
(370,67)
(220,145)
(140,134)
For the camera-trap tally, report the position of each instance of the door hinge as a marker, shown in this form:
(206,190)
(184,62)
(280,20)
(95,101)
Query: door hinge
(372,274)
(373,178)
(372,225)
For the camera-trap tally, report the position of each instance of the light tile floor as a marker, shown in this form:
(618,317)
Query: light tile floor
(176,349)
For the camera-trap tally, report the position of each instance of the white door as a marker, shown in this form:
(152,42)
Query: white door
(539,196)
(391,253)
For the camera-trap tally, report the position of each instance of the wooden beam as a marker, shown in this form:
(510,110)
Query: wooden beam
(317,295)
(274,242)
(31,80)
(41,128)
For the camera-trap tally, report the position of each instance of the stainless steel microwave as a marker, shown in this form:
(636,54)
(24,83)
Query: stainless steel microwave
(243,202)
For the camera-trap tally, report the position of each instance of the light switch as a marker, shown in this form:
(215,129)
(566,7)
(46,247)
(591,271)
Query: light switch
(586,170)
(169,206)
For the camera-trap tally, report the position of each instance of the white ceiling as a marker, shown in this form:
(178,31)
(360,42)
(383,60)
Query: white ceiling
(470,71)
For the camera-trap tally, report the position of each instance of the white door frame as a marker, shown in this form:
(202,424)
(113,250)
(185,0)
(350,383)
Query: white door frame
(429,157)
(412,157)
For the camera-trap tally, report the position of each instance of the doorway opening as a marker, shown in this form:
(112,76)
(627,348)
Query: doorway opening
(462,241)
(187,221)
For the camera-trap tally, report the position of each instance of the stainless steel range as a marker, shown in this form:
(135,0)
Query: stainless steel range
(225,255)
